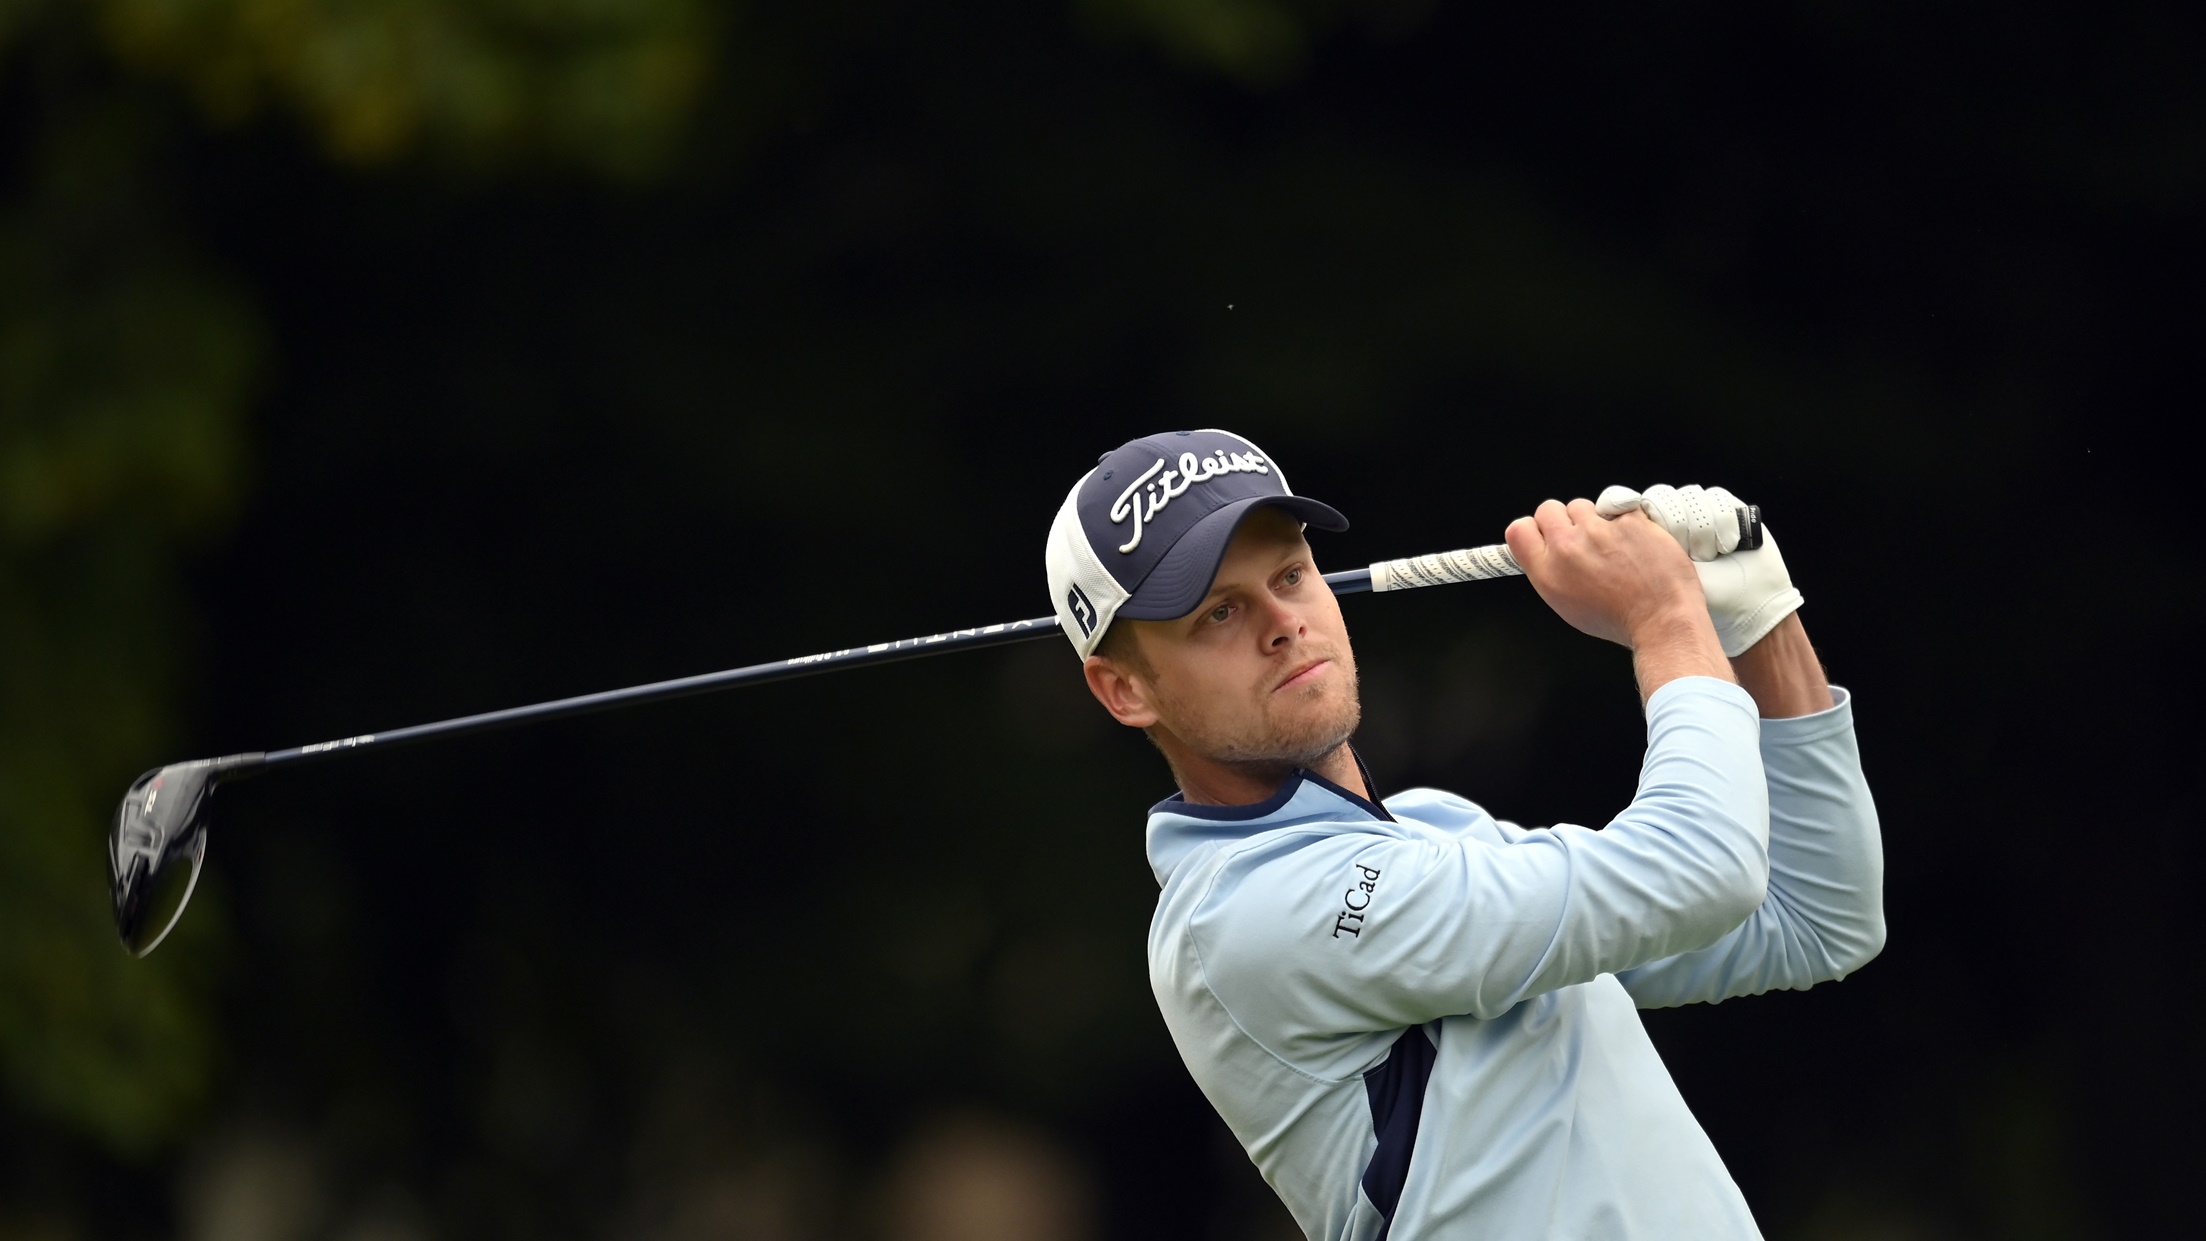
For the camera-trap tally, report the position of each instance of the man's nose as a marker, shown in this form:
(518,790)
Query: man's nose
(1282,624)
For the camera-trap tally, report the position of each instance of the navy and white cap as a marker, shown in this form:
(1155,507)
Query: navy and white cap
(1142,535)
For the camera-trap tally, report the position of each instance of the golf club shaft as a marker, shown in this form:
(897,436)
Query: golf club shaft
(1470,564)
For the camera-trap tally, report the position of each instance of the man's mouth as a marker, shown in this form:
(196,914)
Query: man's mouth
(1303,675)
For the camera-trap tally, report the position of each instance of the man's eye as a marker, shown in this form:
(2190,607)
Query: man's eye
(1294,577)
(1218,614)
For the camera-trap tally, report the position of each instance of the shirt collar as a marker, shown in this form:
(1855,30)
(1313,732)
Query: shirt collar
(1177,826)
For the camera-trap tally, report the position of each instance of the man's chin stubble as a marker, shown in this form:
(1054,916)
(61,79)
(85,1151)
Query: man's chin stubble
(1277,755)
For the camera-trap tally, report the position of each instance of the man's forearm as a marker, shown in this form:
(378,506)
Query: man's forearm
(1783,673)
(1682,644)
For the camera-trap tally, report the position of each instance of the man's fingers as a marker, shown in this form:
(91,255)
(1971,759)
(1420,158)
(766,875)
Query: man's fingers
(1527,542)
(1558,528)
(1551,517)
(1554,516)
(1728,510)
(1704,521)
(1616,501)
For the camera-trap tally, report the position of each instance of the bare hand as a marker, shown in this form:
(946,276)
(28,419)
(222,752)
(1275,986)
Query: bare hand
(1625,580)
(1622,580)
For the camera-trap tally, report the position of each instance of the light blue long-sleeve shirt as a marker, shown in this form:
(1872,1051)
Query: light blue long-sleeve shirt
(1421,1022)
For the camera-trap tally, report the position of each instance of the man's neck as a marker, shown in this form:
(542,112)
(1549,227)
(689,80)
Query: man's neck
(1210,782)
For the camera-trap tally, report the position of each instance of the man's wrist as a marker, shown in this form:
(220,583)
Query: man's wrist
(1783,673)
(1677,643)
(1676,619)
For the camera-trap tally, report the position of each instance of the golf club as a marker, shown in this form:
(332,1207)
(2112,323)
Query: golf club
(160,835)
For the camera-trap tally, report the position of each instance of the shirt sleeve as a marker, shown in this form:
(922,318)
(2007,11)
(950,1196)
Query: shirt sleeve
(1357,932)
(1824,915)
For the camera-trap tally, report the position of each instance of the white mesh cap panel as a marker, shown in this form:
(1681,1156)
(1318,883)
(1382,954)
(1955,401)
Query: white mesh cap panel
(1076,577)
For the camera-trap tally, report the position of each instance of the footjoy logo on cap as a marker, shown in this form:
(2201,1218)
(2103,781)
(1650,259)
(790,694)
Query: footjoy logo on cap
(1163,487)
(1083,611)
(1142,534)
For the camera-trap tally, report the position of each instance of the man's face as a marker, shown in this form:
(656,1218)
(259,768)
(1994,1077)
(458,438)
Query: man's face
(1260,675)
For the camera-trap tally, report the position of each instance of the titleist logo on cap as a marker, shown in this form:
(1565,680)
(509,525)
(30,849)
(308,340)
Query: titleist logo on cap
(1163,485)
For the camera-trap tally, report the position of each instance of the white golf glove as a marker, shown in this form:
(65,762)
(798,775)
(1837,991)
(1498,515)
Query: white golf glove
(1748,591)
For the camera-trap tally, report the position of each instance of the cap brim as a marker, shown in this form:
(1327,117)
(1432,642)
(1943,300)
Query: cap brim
(1178,584)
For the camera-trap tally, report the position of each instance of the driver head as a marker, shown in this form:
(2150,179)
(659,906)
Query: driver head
(154,850)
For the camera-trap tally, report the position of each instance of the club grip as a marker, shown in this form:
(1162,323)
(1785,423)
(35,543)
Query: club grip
(1470,564)
(1481,564)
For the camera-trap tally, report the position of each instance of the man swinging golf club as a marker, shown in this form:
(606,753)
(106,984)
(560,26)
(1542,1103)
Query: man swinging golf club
(1418,1020)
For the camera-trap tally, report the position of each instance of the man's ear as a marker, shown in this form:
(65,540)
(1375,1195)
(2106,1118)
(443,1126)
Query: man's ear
(1123,691)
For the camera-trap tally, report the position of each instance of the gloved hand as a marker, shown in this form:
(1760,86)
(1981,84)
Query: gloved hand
(1748,591)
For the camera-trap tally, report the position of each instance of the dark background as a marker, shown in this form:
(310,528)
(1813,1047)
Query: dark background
(376,363)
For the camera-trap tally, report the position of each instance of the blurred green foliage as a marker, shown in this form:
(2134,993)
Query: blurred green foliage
(1255,42)
(605,84)
(127,367)
(125,370)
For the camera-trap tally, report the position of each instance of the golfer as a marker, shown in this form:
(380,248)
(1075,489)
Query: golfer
(1420,1021)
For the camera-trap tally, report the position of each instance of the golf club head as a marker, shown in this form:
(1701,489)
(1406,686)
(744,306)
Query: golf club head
(159,838)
